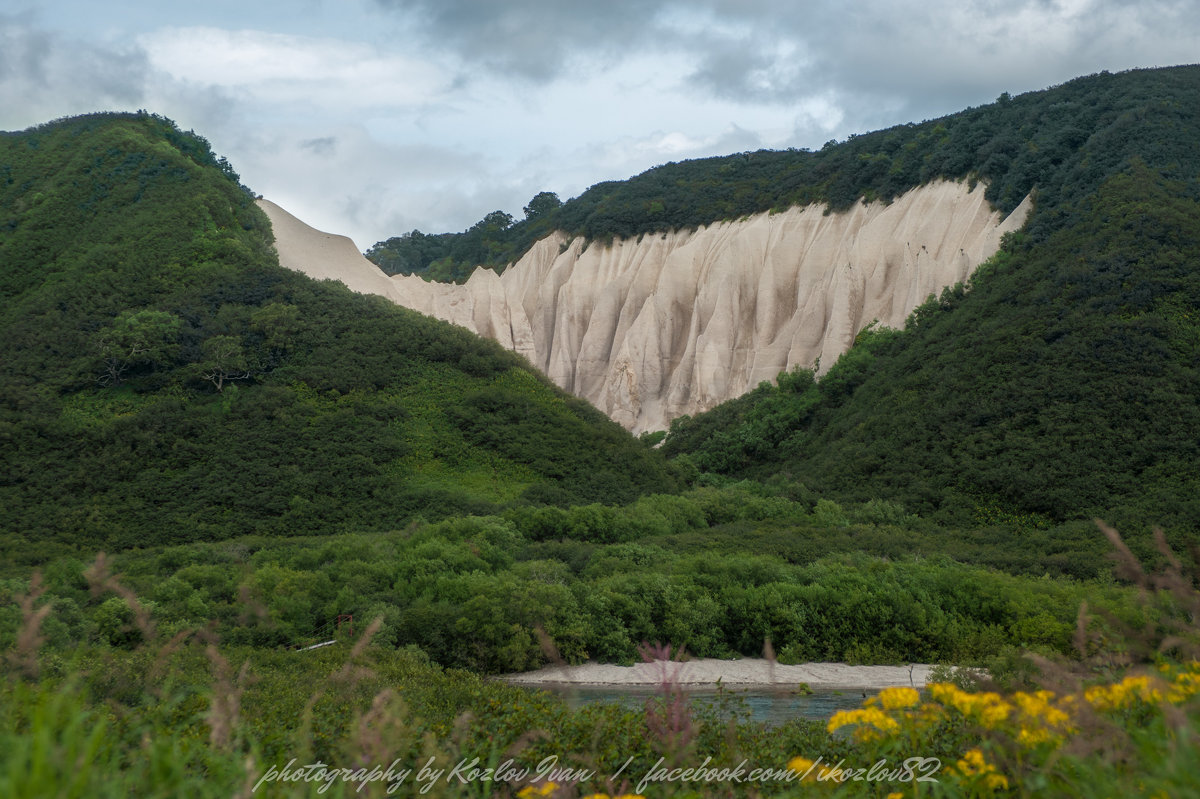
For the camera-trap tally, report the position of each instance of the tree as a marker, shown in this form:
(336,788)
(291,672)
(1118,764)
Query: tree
(278,323)
(541,204)
(224,360)
(136,337)
(494,222)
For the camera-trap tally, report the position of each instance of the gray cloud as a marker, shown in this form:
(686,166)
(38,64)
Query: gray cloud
(532,39)
(736,139)
(325,145)
(45,75)
(926,57)
(935,56)
(465,106)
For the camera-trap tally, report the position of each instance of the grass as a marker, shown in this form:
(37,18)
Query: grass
(191,715)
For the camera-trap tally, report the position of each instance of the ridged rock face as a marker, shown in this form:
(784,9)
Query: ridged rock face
(676,323)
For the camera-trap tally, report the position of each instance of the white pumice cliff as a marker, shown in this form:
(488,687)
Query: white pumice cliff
(675,323)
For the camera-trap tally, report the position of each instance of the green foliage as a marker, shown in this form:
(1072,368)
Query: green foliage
(114,623)
(1061,382)
(542,203)
(588,455)
(165,380)
(652,438)
(1062,143)
(746,429)
(1056,387)
(222,360)
(451,257)
(715,570)
(268,455)
(135,338)
(209,719)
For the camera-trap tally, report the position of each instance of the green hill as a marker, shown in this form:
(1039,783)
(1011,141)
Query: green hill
(1062,382)
(1063,142)
(263,449)
(165,380)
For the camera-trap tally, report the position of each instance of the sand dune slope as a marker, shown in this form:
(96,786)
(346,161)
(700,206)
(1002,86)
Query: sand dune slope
(676,323)
(325,256)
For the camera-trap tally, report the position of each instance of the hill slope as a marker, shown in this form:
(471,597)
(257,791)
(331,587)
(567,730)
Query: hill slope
(1063,142)
(671,324)
(622,328)
(1063,382)
(165,380)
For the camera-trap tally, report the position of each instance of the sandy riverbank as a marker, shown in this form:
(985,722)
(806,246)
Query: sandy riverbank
(743,672)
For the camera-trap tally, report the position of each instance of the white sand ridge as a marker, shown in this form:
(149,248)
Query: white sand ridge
(676,323)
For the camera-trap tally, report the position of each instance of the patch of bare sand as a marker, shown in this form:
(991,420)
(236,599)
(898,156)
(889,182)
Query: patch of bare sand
(324,256)
(755,672)
(652,328)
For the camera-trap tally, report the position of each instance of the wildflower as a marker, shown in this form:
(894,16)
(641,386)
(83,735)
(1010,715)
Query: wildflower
(1038,705)
(972,761)
(1041,720)
(867,715)
(1030,737)
(986,708)
(1123,694)
(802,766)
(898,698)
(928,714)
(973,766)
(545,789)
(1185,685)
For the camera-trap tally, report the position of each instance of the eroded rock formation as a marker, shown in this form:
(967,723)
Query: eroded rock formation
(675,323)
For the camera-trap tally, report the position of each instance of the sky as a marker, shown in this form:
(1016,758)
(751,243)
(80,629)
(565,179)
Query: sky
(372,118)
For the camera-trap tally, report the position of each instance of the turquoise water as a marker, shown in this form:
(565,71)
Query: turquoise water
(772,706)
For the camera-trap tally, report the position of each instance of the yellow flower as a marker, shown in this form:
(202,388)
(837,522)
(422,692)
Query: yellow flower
(545,789)
(928,714)
(895,795)
(1147,690)
(872,716)
(996,782)
(986,708)
(972,762)
(942,691)
(973,766)
(1185,685)
(1042,721)
(1034,736)
(1132,689)
(898,698)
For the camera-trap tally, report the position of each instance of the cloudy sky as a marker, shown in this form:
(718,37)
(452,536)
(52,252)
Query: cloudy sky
(375,117)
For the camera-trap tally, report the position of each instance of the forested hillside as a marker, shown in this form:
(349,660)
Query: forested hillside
(165,380)
(1063,142)
(1060,383)
(322,504)
(1063,381)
